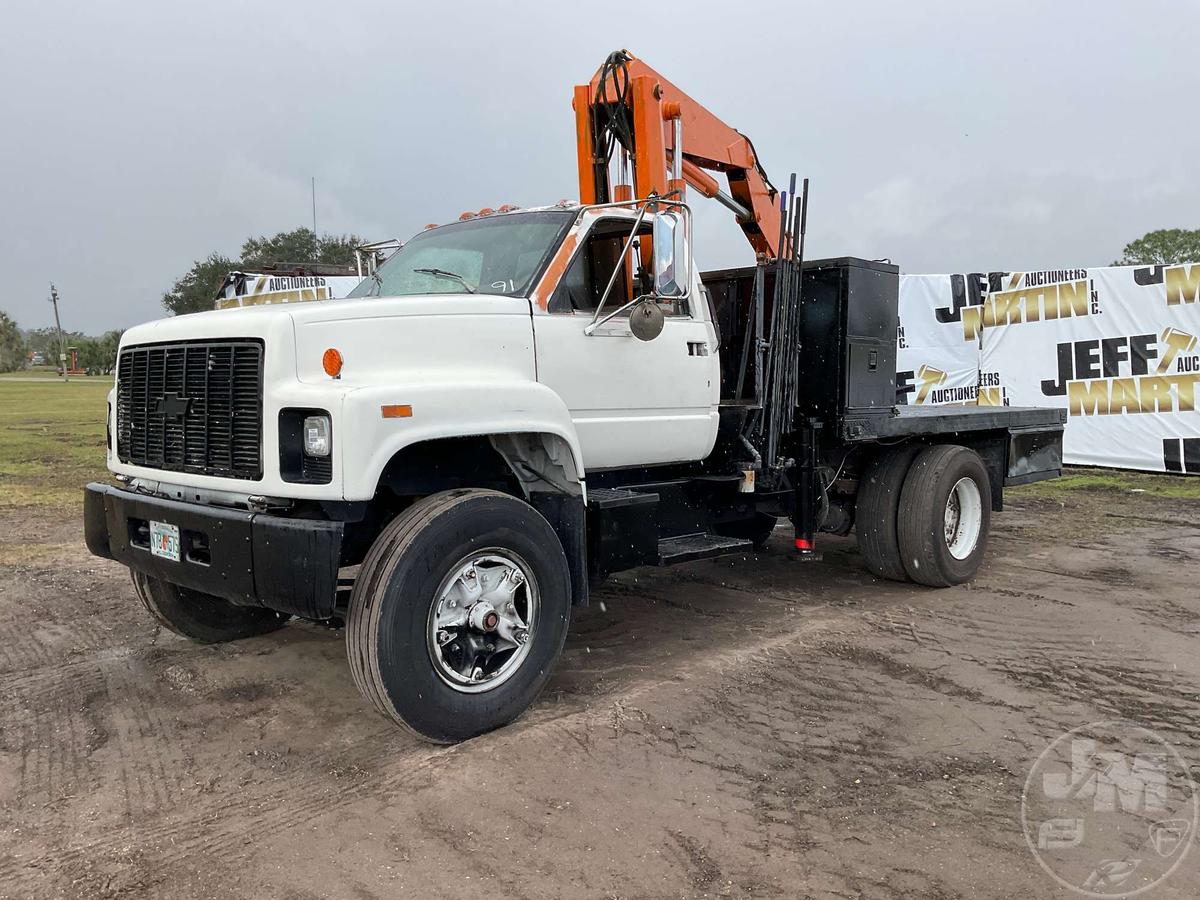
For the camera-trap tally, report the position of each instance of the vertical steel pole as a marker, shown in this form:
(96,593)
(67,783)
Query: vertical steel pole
(677,152)
(805,501)
(749,337)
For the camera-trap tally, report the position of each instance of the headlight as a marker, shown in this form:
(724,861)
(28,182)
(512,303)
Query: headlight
(305,446)
(316,436)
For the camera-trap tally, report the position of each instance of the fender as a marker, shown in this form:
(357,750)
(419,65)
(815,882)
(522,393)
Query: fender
(441,410)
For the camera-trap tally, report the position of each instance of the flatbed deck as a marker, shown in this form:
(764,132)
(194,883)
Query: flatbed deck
(914,421)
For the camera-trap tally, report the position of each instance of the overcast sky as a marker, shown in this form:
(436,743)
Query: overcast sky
(947,136)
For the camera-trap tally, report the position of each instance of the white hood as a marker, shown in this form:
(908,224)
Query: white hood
(419,336)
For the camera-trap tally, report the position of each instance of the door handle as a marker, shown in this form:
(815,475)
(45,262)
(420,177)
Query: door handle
(697,348)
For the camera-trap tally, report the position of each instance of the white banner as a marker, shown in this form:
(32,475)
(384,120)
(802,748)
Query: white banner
(256,289)
(1118,348)
(935,364)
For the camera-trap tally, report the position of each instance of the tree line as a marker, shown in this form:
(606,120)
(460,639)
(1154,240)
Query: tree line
(95,355)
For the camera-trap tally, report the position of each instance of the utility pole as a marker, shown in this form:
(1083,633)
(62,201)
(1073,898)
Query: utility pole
(62,347)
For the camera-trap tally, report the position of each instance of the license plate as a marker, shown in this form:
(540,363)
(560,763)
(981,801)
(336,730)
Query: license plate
(164,540)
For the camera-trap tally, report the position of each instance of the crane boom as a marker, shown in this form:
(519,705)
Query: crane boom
(630,109)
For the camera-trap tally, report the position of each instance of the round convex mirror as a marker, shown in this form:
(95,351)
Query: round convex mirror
(646,320)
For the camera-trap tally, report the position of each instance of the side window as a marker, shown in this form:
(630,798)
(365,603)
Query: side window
(587,276)
(573,291)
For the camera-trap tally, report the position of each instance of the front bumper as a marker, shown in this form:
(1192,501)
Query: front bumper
(250,558)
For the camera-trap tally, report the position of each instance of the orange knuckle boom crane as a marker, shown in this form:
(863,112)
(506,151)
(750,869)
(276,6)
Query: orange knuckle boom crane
(630,111)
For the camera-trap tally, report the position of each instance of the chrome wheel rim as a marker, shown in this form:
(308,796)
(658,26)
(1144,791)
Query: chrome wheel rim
(482,620)
(964,518)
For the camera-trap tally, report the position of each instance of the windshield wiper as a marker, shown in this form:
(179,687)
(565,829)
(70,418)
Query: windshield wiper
(377,285)
(442,273)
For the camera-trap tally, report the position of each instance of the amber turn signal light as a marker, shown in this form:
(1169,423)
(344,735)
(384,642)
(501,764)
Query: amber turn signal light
(397,411)
(331,362)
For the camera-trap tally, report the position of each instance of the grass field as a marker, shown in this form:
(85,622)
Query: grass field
(1180,487)
(49,374)
(51,440)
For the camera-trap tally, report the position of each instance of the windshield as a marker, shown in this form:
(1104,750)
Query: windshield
(489,255)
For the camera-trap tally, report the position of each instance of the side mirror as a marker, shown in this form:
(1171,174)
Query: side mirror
(672,261)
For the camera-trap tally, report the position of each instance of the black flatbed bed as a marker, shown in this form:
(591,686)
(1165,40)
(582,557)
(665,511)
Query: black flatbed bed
(914,421)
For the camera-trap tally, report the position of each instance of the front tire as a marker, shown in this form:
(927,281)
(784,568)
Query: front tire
(202,617)
(945,514)
(458,614)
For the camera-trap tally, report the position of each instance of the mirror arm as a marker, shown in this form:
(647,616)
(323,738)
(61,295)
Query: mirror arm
(617,269)
(591,329)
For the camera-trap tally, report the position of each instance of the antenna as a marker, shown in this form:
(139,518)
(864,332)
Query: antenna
(314,205)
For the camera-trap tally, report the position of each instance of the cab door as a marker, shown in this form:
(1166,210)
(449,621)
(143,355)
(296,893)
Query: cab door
(633,402)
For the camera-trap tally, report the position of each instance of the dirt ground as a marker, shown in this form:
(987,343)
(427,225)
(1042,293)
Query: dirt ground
(753,726)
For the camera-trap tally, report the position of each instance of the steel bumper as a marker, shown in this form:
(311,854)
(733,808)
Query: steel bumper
(250,558)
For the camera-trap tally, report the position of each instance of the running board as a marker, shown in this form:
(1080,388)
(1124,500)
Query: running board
(690,547)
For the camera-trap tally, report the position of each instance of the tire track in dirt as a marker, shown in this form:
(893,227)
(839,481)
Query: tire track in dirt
(21,652)
(213,826)
(1047,649)
(790,759)
(54,733)
(841,709)
(151,764)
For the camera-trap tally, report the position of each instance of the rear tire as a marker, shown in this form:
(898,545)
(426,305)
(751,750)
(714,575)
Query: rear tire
(945,514)
(202,617)
(446,556)
(877,508)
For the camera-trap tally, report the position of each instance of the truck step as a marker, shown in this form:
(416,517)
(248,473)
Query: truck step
(690,547)
(616,498)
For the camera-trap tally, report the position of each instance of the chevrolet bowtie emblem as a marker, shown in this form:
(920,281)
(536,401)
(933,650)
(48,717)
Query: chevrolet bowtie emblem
(172,406)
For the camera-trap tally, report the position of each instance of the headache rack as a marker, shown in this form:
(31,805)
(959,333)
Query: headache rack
(193,406)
